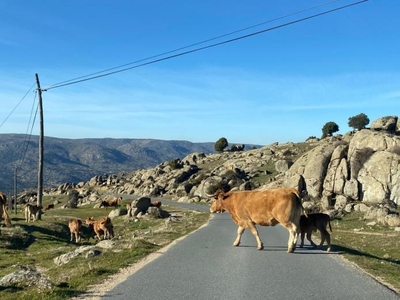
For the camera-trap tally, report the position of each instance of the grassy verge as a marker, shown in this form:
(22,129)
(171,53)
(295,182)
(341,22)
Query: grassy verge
(36,244)
(374,248)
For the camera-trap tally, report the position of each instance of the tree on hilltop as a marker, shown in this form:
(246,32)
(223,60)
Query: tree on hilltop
(329,128)
(221,144)
(359,121)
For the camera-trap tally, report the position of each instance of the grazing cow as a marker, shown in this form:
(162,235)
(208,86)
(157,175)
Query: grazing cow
(155,204)
(265,208)
(314,222)
(31,211)
(115,202)
(49,206)
(75,229)
(99,227)
(3,210)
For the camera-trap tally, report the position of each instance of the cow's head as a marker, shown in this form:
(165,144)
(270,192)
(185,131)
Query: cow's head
(217,202)
(89,221)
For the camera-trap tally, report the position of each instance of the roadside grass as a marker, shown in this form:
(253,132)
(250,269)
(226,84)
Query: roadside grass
(37,244)
(374,248)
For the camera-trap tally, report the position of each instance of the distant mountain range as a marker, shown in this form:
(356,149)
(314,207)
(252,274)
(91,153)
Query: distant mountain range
(75,160)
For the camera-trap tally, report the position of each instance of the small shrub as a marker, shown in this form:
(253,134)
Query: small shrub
(175,164)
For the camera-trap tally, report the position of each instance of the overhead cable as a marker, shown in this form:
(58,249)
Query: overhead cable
(17,105)
(195,44)
(71,82)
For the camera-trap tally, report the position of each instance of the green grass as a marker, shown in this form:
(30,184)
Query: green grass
(375,249)
(36,244)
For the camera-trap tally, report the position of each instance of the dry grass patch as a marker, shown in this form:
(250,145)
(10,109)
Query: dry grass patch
(374,248)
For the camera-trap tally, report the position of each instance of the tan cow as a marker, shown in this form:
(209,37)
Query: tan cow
(48,207)
(314,222)
(3,210)
(265,208)
(102,226)
(115,202)
(75,229)
(31,211)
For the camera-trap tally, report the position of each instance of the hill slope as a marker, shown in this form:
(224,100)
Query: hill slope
(75,160)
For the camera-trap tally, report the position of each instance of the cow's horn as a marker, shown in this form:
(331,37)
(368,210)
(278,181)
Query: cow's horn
(204,189)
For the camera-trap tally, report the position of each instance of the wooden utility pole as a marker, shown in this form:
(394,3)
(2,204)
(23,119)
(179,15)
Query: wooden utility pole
(15,190)
(41,135)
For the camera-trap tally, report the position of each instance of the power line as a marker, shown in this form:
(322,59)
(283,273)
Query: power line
(30,134)
(17,105)
(192,45)
(205,47)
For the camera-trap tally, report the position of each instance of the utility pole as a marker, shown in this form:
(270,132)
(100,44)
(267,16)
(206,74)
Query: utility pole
(41,135)
(15,190)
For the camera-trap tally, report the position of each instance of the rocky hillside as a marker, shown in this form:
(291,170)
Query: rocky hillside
(74,160)
(356,171)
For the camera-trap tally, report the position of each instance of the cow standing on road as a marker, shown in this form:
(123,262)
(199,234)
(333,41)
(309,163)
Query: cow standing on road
(314,222)
(265,208)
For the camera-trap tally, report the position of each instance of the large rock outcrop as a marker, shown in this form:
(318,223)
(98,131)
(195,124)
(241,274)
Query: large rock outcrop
(365,169)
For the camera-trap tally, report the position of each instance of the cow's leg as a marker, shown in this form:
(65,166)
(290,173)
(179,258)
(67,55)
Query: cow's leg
(309,234)
(98,236)
(325,236)
(240,231)
(293,235)
(328,241)
(303,233)
(254,231)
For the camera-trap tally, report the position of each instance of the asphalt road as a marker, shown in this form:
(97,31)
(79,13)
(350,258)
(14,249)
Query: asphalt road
(205,265)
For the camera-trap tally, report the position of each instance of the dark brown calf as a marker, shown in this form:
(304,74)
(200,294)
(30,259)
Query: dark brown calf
(49,206)
(155,204)
(115,202)
(314,222)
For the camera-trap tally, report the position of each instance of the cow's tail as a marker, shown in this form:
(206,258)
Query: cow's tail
(329,222)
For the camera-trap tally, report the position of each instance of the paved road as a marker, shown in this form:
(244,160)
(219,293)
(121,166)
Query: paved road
(204,265)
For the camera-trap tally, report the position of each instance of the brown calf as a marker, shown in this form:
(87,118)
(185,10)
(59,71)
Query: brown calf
(314,222)
(3,210)
(115,202)
(49,206)
(31,211)
(100,226)
(75,228)
(155,204)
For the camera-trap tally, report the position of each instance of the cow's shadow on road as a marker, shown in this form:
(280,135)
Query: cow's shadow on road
(336,249)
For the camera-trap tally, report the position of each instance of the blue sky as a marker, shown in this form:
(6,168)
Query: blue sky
(279,86)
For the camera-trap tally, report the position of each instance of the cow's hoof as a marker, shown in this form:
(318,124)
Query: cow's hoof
(328,250)
(235,245)
(291,249)
(261,247)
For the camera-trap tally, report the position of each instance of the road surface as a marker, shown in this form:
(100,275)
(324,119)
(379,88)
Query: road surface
(205,265)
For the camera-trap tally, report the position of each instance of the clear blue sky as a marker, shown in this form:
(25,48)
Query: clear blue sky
(279,86)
